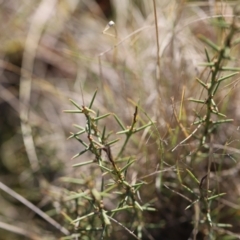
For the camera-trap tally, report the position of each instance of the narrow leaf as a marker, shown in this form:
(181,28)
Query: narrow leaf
(83,163)
(228,76)
(230,69)
(105,218)
(72,111)
(101,117)
(113,141)
(216,88)
(188,189)
(79,154)
(206,64)
(216,196)
(79,127)
(191,204)
(209,43)
(129,164)
(82,142)
(119,122)
(106,169)
(151,209)
(138,205)
(72,180)
(224,225)
(196,100)
(218,113)
(103,133)
(85,216)
(192,176)
(123,132)
(75,104)
(202,83)
(198,122)
(223,121)
(93,98)
(207,55)
(73,135)
(209,219)
(143,127)
(75,196)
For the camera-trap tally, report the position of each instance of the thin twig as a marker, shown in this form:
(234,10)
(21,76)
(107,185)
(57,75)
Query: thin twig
(181,195)
(124,39)
(187,137)
(157,39)
(114,220)
(33,208)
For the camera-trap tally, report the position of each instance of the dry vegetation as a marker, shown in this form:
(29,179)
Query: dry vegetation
(177,177)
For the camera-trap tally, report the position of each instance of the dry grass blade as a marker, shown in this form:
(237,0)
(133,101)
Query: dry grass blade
(28,204)
(25,232)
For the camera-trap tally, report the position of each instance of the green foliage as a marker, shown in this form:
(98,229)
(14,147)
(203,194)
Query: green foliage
(207,125)
(154,151)
(93,217)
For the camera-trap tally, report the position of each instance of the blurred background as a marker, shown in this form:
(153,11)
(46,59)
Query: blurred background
(53,50)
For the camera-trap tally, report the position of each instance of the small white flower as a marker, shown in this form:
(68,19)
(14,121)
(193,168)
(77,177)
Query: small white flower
(111,23)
